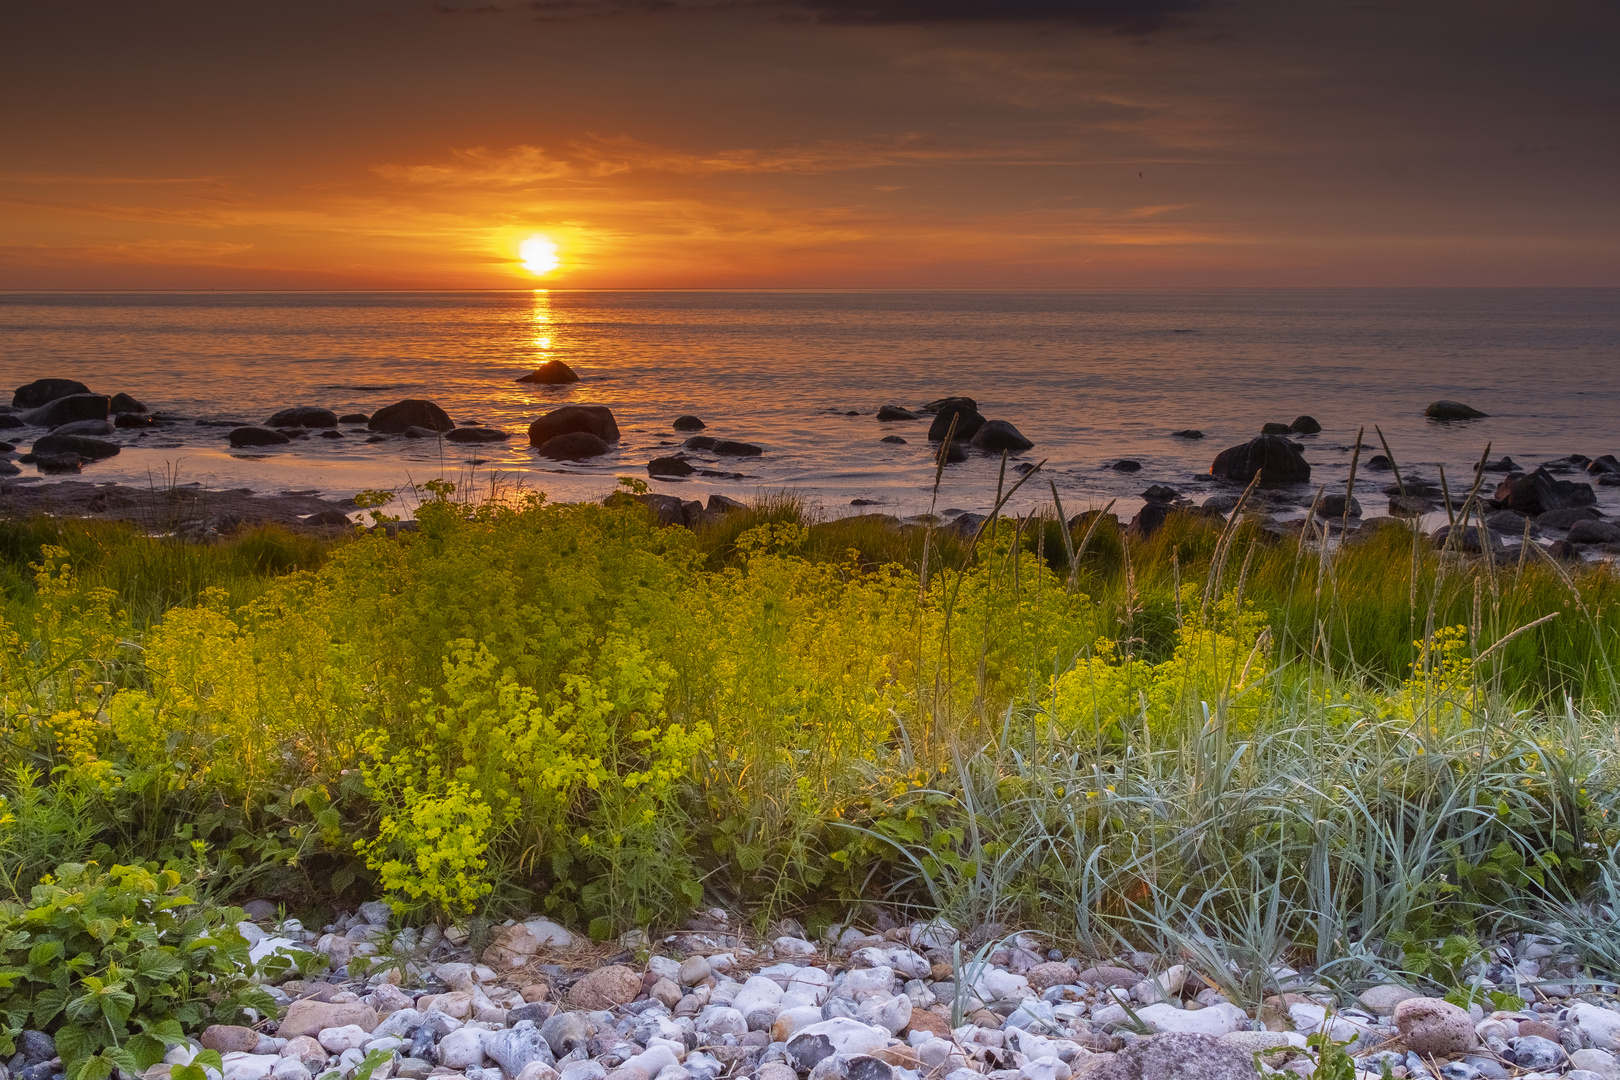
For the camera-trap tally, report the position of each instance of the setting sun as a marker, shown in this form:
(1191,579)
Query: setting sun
(539,255)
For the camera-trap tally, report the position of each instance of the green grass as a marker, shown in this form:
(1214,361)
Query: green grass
(1211,741)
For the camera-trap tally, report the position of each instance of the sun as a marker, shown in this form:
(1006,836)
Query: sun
(539,255)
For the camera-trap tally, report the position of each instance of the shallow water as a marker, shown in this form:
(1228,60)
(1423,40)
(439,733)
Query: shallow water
(1089,377)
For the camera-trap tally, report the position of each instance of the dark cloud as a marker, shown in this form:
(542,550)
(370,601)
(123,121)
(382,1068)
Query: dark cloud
(1131,16)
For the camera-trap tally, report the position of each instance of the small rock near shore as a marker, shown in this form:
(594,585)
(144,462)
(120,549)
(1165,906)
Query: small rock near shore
(124,403)
(1272,457)
(412,412)
(594,420)
(257,436)
(87,448)
(895,412)
(1433,1028)
(1452,410)
(897,440)
(605,988)
(303,416)
(476,435)
(733,448)
(65,410)
(669,466)
(687,422)
(573,446)
(1305,425)
(354,418)
(996,436)
(551,373)
(963,410)
(1187,433)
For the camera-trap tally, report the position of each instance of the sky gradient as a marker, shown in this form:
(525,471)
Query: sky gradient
(820,144)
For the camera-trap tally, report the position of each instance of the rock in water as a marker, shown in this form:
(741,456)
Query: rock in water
(669,466)
(733,448)
(1188,433)
(476,435)
(574,446)
(412,412)
(1452,410)
(963,410)
(688,422)
(1305,425)
(87,448)
(257,436)
(65,410)
(92,428)
(1177,1056)
(1433,1028)
(304,416)
(44,391)
(895,412)
(124,403)
(1275,429)
(1540,492)
(995,436)
(551,373)
(1273,457)
(596,420)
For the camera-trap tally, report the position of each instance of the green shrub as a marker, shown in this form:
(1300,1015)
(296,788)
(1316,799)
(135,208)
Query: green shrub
(118,966)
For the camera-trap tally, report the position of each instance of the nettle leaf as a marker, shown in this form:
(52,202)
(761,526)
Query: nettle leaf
(45,951)
(159,964)
(74,1043)
(48,1004)
(145,1051)
(98,1067)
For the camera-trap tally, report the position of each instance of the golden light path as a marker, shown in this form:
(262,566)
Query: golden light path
(539,255)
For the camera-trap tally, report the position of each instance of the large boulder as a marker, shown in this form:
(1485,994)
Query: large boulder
(963,410)
(304,416)
(412,412)
(1177,1056)
(65,410)
(1273,457)
(1452,410)
(995,436)
(551,373)
(44,391)
(87,448)
(257,436)
(594,420)
(1540,492)
(669,466)
(573,446)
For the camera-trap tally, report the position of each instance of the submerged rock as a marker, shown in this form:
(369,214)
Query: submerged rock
(551,373)
(573,446)
(687,422)
(257,436)
(894,412)
(669,466)
(395,419)
(594,420)
(87,448)
(476,435)
(1305,425)
(303,416)
(1452,410)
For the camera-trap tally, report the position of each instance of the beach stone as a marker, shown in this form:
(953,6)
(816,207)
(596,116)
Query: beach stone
(1123,978)
(892,1015)
(996,436)
(257,436)
(733,448)
(687,422)
(574,446)
(579,1070)
(335,1040)
(1452,410)
(868,1067)
(476,435)
(1594,532)
(1594,1027)
(665,991)
(310,1017)
(229,1038)
(515,1047)
(1333,506)
(54,463)
(669,466)
(1434,1028)
(87,448)
(1560,519)
(1176,1056)
(605,987)
(44,391)
(551,373)
(124,403)
(1050,974)
(966,412)
(1275,429)
(1268,1044)
(596,420)
(1273,457)
(1381,1000)
(931,1022)
(694,969)
(1410,506)
(565,1032)
(1594,1060)
(776,1070)
(721,1020)
(304,416)
(306,1050)
(293,1069)
(1126,465)
(1536,1052)
(842,1035)
(461,1049)
(240,1066)
(354,418)
(1214,1021)
(412,412)
(889,413)
(1305,425)
(65,410)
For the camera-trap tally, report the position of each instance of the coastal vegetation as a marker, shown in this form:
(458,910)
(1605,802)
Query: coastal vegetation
(1367,756)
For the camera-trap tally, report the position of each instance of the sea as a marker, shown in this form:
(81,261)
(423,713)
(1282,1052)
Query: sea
(1091,378)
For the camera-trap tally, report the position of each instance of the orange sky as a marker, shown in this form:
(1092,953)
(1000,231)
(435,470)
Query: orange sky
(808,143)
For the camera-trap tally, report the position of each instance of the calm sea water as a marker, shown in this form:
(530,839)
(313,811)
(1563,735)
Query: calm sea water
(1089,377)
